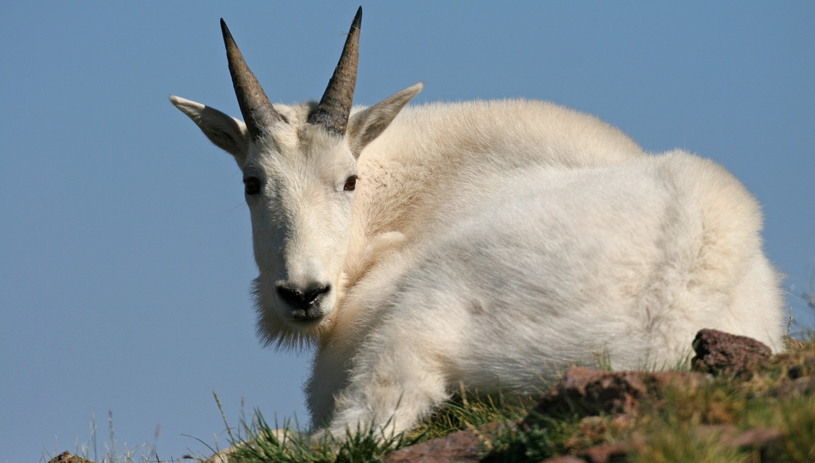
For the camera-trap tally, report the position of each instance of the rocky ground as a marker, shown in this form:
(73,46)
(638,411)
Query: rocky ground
(736,403)
(612,403)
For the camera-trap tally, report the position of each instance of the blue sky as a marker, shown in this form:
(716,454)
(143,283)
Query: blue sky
(126,256)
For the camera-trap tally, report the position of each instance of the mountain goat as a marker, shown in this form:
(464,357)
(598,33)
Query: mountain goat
(483,243)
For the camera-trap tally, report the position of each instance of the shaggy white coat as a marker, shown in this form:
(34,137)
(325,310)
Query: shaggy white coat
(553,267)
(489,244)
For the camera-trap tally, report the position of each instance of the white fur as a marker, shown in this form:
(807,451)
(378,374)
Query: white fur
(489,244)
(553,267)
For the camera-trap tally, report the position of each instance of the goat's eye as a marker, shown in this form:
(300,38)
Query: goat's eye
(351,183)
(252,185)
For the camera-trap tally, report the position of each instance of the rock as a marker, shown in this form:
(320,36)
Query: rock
(460,446)
(723,353)
(66,457)
(604,453)
(564,459)
(800,386)
(769,442)
(591,392)
(609,453)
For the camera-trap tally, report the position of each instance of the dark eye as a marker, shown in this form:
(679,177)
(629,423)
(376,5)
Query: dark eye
(252,185)
(351,183)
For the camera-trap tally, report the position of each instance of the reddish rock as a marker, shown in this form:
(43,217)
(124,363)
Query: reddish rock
(609,453)
(591,392)
(800,386)
(564,459)
(604,453)
(66,457)
(757,438)
(769,442)
(723,353)
(460,446)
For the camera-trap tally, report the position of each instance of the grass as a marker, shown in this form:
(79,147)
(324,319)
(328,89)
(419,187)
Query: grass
(683,428)
(686,425)
(257,441)
(745,404)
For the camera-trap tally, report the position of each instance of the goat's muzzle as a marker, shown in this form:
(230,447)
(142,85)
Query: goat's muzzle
(304,302)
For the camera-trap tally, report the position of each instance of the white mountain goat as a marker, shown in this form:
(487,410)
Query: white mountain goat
(484,243)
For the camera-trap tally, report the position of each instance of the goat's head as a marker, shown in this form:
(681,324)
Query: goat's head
(299,174)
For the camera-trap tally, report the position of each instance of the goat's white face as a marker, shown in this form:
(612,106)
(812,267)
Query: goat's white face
(299,174)
(299,187)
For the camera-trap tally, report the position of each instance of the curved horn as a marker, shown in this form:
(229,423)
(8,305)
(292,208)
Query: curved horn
(257,110)
(335,106)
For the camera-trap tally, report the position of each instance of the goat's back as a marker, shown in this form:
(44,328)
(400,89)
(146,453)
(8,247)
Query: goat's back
(435,154)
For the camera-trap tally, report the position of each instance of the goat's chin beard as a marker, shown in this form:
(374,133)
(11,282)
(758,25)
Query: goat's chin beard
(289,334)
(285,333)
(305,325)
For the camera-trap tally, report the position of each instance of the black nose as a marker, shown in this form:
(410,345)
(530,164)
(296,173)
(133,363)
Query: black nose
(299,298)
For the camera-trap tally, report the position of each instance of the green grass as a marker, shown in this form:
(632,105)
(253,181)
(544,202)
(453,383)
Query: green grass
(256,441)
(746,404)
(467,411)
(678,430)
(675,431)
(263,444)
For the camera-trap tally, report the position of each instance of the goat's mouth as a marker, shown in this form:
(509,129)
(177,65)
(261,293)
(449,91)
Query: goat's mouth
(306,317)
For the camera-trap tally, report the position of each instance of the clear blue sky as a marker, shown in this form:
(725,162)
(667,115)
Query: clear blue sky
(126,257)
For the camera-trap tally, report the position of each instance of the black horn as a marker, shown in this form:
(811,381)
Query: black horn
(257,110)
(335,106)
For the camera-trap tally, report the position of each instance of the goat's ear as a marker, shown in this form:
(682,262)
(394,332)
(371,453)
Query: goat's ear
(366,125)
(226,132)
